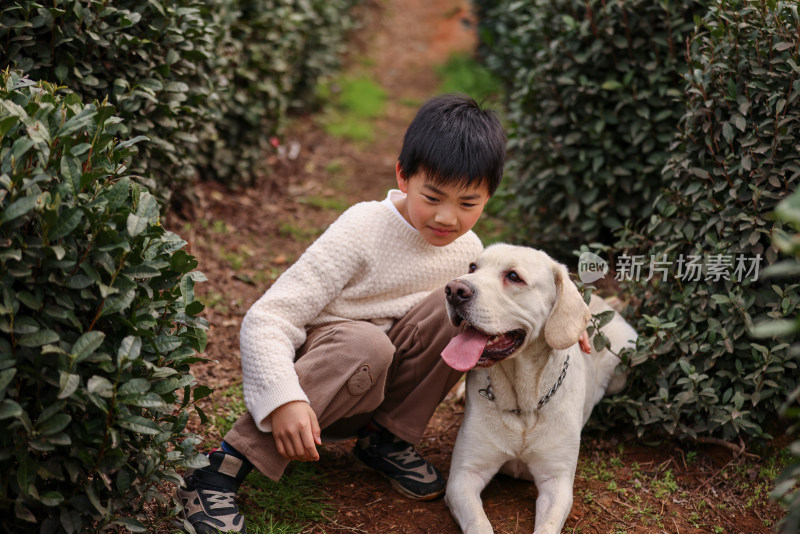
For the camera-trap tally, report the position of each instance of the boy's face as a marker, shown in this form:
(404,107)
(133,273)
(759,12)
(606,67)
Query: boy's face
(440,213)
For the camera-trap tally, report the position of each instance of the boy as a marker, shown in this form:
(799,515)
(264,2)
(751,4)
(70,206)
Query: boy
(348,339)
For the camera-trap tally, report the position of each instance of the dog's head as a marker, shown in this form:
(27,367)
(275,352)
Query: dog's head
(511,297)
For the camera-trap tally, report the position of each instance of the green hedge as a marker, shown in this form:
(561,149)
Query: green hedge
(673,125)
(153,60)
(787,485)
(207,82)
(98,322)
(593,101)
(271,55)
(735,158)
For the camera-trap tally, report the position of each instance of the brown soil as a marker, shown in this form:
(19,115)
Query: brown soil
(245,238)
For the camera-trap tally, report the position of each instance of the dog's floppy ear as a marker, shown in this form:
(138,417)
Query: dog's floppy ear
(570,314)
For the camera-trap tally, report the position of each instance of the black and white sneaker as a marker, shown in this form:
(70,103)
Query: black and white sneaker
(399,462)
(209,498)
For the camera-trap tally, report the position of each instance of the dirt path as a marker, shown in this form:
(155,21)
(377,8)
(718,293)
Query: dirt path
(244,239)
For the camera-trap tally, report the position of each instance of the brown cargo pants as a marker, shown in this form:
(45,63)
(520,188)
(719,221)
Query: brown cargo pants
(352,372)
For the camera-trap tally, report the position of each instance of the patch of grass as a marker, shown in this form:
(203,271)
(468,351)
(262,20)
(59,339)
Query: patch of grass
(352,103)
(352,128)
(335,168)
(324,203)
(227,406)
(286,506)
(463,74)
(411,102)
(220,227)
(338,177)
(665,486)
(597,470)
(298,233)
(361,97)
(213,300)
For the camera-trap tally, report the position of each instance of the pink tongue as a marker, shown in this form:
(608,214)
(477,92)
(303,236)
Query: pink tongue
(464,350)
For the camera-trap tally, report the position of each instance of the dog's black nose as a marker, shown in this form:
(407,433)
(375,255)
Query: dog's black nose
(459,292)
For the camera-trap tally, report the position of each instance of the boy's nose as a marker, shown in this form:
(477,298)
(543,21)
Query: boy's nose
(446,216)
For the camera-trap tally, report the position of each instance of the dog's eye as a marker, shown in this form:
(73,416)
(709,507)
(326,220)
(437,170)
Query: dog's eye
(473,267)
(512,276)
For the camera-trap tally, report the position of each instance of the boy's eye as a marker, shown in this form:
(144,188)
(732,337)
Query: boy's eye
(468,205)
(473,267)
(430,198)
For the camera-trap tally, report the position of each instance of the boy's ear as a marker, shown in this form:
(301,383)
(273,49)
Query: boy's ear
(402,181)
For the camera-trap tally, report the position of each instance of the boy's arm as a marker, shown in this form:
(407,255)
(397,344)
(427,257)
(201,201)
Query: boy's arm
(274,327)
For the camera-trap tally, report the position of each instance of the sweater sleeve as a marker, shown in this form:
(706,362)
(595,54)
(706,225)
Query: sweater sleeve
(274,327)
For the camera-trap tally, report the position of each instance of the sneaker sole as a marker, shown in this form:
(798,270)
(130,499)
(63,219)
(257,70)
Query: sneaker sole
(396,485)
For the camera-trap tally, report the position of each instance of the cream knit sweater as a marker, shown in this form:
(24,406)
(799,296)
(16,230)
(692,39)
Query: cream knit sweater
(369,265)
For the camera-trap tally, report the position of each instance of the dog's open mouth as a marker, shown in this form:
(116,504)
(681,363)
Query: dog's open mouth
(473,348)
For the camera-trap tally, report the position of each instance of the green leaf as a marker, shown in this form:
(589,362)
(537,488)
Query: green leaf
(20,207)
(99,385)
(198,461)
(612,85)
(71,520)
(42,337)
(118,303)
(71,172)
(67,222)
(147,208)
(129,349)
(68,383)
(54,424)
(131,142)
(6,123)
(146,400)
(9,408)
(130,524)
(6,377)
(727,131)
(605,317)
(80,121)
(118,193)
(22,512)
(193,308)
(90,493)
(201,392)
(142,271)
(139,424)
(52,498)
(87,344)
(187,289)
(135,224)
(134,386)
(20,148)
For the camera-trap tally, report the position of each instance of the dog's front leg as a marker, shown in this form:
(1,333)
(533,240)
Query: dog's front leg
(463,497)
(553,503)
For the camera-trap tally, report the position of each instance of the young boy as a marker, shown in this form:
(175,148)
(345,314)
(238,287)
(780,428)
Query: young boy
(348,340)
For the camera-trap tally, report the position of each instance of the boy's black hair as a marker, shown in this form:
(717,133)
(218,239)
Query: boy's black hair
(453,140)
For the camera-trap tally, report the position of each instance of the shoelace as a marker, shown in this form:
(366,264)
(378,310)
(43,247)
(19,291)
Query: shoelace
(405,456)
(220,499)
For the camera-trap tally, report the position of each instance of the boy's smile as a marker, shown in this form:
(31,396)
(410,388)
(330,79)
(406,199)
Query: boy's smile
(441,213)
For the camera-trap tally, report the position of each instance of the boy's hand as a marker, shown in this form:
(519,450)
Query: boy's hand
(584,343)
(296,431)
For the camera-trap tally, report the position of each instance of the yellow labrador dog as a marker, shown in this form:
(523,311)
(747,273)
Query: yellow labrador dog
(530,389)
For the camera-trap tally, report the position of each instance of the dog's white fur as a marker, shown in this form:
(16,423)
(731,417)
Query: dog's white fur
(536,444)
